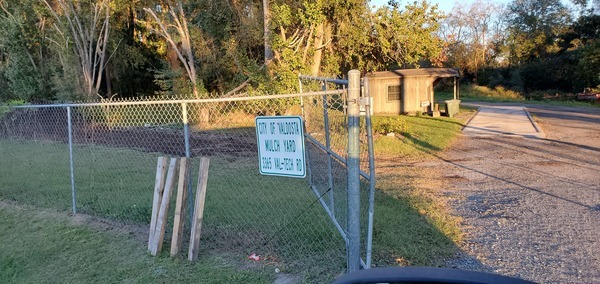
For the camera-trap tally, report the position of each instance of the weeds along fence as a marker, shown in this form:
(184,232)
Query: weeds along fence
(100,158)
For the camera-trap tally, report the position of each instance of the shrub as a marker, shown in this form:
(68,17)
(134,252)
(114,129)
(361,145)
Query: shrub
(498,93)
(548,95)
(508,94)
(386,125)
(6,107)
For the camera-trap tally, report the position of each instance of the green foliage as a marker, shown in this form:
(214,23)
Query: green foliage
(172,83)
(588,68)
(548,95)
(498,93)
(318,37)
(6,107)
(130,67)
(551,73)
(406,37)
(26,65)
(387,125)
(65,80)
(569,63)
(534,28)
(6,94)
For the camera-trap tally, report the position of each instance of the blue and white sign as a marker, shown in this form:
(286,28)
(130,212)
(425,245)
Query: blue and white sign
(281,149)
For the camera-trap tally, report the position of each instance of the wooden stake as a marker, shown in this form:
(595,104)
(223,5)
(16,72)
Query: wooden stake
(161,221)
(161,168)
(199,209)
(180,208)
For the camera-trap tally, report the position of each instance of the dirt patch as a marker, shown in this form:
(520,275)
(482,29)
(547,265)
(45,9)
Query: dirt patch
(455,178)
(139,232)
(547,163)
(51,124)
(284,278)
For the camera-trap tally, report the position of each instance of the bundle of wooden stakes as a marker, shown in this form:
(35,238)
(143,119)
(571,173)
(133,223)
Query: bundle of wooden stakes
(163,189)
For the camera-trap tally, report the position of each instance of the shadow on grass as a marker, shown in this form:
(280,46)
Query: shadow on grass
(42,246)
(412,225)
(245,211)
(404,237)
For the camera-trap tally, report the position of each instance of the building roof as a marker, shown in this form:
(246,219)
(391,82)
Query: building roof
(422,72)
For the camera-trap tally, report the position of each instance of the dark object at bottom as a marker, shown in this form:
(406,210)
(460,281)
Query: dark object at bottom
(414,275)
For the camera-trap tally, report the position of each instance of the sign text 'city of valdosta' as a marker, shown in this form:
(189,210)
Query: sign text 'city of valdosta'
(281,146)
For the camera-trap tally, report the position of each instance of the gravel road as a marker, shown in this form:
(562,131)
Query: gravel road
(531,207)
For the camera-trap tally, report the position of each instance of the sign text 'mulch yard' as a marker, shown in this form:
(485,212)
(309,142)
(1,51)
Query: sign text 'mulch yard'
(281,145)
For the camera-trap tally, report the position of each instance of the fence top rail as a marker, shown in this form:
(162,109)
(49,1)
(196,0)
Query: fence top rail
(328,80)
(215,100)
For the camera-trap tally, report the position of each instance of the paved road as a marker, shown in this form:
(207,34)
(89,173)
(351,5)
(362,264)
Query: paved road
(531,206)
(493,120)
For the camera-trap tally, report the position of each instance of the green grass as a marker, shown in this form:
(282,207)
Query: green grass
(47,247)
(245,211)
(411,228)
(474,93)
(419,135)
(564,103)
(409,209)
(37,173)
(482,94)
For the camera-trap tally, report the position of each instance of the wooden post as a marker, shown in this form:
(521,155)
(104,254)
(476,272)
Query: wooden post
(180,208)
(199,209)
(161,222)
(455,89)
(159,183)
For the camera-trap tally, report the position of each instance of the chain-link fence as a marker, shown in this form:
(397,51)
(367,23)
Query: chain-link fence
(100,159)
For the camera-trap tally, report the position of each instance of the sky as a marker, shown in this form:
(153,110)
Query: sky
(444,5)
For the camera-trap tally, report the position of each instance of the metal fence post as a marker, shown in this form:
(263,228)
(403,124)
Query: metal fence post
(301,98)
(186,137)
(328,145)
(371,174)
(72,167)
(353,171)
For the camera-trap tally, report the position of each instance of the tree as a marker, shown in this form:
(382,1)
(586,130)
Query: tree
(88,27)
(406,37)
(299,32)
(352,37)
(534,27)
(127,72)
(472,34)
(177,34)
(26,64)
(336,36)
(589,66)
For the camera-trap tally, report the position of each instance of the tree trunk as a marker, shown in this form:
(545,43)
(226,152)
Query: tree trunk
(318,50)
(173,59)
(267,31)
(89,38)
(108,80)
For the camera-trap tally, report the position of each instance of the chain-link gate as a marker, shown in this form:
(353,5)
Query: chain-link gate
(333,147)
(99,159)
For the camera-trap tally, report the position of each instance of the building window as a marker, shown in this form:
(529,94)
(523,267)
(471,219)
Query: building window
(393,93)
